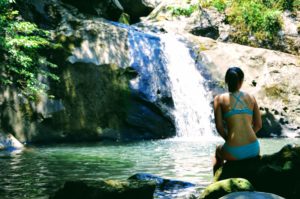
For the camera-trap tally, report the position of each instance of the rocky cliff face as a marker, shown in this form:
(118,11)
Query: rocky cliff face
(103,93)
(270,75)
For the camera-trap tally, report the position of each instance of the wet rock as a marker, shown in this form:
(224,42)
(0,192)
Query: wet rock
(161,183)
(168,188)
(105,190)
(9,142)
(277,173)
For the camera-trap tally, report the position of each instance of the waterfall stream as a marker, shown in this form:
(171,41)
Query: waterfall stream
(191,100)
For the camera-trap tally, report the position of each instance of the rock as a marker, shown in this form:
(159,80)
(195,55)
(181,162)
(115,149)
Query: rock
(120,100)
(251,195)
(9,142)
(290,33)
(105,190)
(42,12)
(210,23)
(272,72)
(277,173)
(136,8)
(168,188)
(109,9)
(161,183)
(223,187)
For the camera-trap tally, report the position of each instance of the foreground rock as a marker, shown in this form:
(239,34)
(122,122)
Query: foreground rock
(223,187)
(251,195)
(278,173)
(106,190)
(161,183)
(138,186)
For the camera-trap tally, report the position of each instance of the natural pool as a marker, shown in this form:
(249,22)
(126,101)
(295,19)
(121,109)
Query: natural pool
(38,171)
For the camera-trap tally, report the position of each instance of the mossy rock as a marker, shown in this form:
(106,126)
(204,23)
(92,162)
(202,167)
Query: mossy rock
(224,187)
(106,190)
(124,18)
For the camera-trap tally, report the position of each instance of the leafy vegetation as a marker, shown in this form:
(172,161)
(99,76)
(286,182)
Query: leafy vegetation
(183,11)
(23,47)
(260,19)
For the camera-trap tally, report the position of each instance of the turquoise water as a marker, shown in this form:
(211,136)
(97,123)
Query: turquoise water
(38,171)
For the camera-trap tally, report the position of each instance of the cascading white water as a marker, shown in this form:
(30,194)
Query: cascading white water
(192,104)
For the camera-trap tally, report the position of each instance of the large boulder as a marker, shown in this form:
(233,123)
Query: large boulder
(105,190)
(277,173)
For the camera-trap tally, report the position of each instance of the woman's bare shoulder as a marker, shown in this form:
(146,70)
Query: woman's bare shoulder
(249,96)
(221,97)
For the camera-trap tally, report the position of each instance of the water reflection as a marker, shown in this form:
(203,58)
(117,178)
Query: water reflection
(37,172)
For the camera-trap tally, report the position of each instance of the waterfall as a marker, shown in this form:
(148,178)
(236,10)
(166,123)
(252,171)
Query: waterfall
(191,99)
(168,69)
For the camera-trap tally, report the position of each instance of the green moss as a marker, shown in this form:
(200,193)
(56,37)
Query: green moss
(223,187)
(183,11)
(124,18)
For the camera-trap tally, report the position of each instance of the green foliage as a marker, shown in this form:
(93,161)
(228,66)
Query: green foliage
(22,49)
(254,18)
(260,19)
(187,11)
(219,4)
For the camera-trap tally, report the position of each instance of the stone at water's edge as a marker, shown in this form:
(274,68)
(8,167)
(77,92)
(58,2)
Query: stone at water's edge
(138,186)
(251,195)
(223,187)
(9,142)
(161,183)
(278,173)
(110,189)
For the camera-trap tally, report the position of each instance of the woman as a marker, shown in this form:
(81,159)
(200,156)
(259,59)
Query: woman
(241,114)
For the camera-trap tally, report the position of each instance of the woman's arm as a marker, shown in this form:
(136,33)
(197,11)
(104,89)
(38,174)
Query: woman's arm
(219,117)
(257,123)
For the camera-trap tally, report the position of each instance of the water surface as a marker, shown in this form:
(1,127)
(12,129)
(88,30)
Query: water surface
(38,171)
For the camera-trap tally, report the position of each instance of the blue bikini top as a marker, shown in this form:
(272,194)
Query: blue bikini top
(234,111)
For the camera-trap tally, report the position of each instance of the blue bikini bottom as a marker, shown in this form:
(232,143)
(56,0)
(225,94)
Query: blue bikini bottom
(243,152)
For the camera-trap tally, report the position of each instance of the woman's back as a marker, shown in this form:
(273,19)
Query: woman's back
(237,109)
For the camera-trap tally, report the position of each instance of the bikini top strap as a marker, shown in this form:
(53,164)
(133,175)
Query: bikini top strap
(238,100)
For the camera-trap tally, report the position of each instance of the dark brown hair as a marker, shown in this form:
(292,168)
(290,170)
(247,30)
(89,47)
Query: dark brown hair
(233,77)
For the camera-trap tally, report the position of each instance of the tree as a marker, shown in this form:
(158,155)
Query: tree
(23,53)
